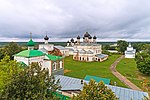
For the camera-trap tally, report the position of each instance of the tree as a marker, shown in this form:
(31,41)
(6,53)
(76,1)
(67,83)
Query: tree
(106,47)
(146,48)
(138,46)
(31,84)
(95,91)
(1,53)
(7,69)
(121,46)
(143,62)
(11,49)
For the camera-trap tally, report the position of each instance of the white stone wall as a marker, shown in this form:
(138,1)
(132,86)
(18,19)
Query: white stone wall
(84,57)
(65,52)
(129,55)
(22,59)
(95,49)
(47,65)
(48,47)
(28,61)
(129,48)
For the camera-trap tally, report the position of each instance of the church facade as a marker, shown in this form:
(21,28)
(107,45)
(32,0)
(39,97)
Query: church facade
(130,52)
(55,64)
(87,50)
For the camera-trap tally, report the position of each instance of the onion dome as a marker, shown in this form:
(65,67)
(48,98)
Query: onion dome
(67,41)
(90,37)
(94,37)
(78,37)
(46,37)
(86,34)
(31,43)
(76,42)
(72,40)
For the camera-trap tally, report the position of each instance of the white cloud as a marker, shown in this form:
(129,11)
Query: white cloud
(108,19)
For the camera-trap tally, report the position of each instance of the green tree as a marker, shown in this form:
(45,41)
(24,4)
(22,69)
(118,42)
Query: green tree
(146,48)
(11,48)
(106,47)
(31,84)
(95,91)
(7,69)
(121,46)
(1,53)
(138,46)
(143,62)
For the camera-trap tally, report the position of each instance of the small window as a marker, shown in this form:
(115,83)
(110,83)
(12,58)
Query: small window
(54,66)
(80,58)
(61,64)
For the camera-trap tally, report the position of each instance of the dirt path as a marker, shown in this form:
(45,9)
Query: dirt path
(121,77)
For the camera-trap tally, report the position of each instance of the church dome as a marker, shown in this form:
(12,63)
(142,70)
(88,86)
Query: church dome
(72,40)
(31,43)
(78,37)
(46,37)
(94,37)
(86,34)
(90,37)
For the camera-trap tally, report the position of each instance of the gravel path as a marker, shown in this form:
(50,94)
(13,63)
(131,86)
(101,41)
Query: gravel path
(121,77)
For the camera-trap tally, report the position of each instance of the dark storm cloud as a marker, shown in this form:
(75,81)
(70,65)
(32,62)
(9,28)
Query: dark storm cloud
(60,19)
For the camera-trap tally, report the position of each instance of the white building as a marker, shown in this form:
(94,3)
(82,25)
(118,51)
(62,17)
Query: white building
(55,64)
(130,52)
(46,47)
(88,50)
(64,51)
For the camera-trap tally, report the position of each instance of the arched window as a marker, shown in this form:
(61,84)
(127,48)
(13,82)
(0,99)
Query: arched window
(61,64)
(54,65)
(87,59)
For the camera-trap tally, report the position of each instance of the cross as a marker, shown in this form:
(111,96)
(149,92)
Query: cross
(30,35)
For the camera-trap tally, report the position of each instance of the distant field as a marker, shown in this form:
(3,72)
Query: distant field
(128,68)
(81,69)
(37,43)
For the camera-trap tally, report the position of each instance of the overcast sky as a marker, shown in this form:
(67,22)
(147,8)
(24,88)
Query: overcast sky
(109,20)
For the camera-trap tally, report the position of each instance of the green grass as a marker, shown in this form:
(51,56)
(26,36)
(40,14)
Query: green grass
(128,68)
(80,69)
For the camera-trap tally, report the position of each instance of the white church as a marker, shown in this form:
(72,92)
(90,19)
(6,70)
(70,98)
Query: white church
(88,50)
(130,52)
(55,64)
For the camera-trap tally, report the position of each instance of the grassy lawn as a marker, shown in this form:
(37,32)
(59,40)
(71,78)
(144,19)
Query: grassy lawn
(127,67)
(80,69)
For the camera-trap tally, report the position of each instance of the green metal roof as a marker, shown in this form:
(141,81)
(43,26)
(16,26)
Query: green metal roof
(53,57)
(31,43)
(23,65)
(97,79)
(30,53)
